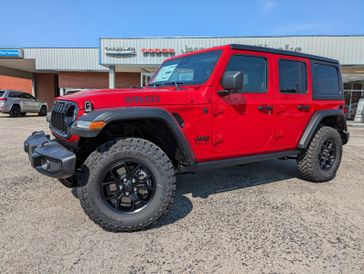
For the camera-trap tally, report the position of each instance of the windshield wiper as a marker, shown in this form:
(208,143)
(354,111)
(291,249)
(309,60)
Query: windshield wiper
(154,85)
(175,83)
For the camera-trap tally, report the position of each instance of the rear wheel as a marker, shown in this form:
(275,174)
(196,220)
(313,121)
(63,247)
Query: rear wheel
(321,160)
(15,111)
(131,184)
(43,111)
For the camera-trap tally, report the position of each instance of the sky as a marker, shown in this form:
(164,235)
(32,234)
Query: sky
(80,23)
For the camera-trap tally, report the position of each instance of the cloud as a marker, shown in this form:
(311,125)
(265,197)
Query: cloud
(268,5)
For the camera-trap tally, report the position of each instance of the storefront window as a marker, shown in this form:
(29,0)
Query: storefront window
(353,78)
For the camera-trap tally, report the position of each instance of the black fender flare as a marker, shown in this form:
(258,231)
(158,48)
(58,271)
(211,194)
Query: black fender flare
(315,122)
(136,113)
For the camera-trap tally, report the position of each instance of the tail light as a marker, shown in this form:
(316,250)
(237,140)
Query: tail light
(3,99)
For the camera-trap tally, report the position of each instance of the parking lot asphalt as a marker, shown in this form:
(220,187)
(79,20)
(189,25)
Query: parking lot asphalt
(257,218)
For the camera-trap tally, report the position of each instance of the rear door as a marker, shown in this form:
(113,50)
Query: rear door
(243,122)
(294,108)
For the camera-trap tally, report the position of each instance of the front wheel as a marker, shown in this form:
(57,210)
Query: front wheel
(43,111)
(321,160)
(130,183)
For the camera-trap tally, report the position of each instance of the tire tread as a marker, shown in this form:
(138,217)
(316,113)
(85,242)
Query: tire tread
(307,164)
(142,147)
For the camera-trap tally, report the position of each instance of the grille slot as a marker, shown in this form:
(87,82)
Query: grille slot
(62,117)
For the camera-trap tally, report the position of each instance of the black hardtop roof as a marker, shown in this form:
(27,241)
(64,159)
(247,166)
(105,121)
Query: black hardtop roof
(283,52)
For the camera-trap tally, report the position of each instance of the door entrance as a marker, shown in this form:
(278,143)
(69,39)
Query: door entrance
(146,76)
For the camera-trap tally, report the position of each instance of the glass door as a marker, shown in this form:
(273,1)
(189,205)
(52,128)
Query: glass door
(145,78)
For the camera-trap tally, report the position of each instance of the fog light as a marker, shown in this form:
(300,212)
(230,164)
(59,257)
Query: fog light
(45,165)
(51,166)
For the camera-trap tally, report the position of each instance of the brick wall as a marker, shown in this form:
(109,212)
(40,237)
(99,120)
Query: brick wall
(45,87)
(97,79)
(10,82)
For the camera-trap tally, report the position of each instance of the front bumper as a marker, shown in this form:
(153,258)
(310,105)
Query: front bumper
(49,157)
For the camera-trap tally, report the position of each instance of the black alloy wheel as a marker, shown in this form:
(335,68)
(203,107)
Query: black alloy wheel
(321,160)
(128,187)
(327,155)
(127,184)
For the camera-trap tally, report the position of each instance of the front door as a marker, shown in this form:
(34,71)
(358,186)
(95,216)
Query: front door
(32,103)
(26,105)
(244,121)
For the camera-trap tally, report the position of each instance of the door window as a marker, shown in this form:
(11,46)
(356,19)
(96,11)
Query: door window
(292,76)
(254,69)
(15,94)
(28,96)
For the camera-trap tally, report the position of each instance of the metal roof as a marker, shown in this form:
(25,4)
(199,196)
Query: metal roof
(349,50)
(65,59)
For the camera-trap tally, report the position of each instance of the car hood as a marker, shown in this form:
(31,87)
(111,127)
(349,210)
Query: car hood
(113,98)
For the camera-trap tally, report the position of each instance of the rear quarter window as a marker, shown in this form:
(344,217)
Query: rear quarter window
(326,81)
(2,92)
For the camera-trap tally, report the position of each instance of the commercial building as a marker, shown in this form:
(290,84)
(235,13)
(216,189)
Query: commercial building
(125,62)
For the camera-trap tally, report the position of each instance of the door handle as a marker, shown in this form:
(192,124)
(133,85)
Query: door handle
(265,108)
(303,107)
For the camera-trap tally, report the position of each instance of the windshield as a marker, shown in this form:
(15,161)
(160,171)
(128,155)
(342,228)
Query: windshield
(189,70)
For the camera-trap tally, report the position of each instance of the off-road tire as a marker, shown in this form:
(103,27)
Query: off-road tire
(15,111)
(43,111)
(110,153)
(309,163)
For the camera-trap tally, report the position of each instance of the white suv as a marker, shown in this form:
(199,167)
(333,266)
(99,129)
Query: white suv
(18,103)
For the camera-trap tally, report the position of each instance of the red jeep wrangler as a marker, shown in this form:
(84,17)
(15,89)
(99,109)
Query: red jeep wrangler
(212,108)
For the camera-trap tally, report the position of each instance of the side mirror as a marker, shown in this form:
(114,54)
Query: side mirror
(233,80)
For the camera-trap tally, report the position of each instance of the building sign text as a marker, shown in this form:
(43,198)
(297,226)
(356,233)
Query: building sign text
(158,51)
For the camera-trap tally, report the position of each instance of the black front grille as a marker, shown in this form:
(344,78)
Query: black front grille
(62,117)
